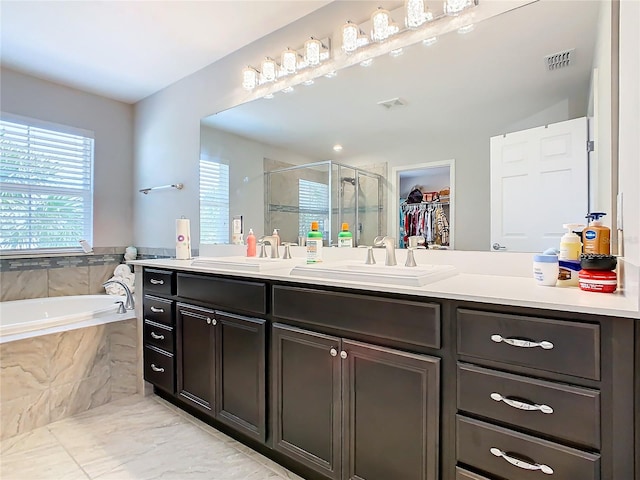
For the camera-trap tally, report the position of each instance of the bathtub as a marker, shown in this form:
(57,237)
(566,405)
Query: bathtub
(41,316)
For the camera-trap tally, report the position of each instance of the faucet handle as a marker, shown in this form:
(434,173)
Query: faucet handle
(415,240)
(411,261)
(287,250)
(263,250)
(371,260)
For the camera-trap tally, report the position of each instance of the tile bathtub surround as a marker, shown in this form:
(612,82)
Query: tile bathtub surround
(134,438)
(47,378)
(24,278)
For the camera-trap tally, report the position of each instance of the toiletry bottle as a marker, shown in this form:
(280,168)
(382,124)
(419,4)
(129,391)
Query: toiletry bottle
(595,236)
(251,244)
(314,244)
(276,235)
(570,246)
(569,256)
(345,237)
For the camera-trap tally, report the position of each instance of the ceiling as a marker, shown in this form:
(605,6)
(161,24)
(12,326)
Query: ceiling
(487,80)
(127,50)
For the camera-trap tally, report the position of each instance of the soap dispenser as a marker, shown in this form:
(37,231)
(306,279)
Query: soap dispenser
(251,244)
(596,237)
(570,246)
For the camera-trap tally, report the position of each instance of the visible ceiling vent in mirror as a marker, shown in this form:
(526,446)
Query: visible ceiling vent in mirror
(559,60)
(392,103)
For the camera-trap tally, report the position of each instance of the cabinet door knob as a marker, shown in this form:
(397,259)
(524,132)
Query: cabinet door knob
(156,336)
(157,369)
(521,463)
(518,342)
(343,354)
(153,281)
(214,322)
(208,321)
(333,352)
(157,310)
(521,405)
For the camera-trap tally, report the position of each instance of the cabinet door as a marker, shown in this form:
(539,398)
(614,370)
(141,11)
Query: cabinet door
(391,413)
(195,355)
(306,409)
(240,373)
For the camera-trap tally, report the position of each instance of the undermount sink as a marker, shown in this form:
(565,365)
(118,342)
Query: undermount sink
(390,275)
(245,264)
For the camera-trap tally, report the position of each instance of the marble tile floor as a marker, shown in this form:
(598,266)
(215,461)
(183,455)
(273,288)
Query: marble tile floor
(134,438)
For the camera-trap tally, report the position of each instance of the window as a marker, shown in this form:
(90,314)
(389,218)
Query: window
(46,186)
(214,202)
(313,201)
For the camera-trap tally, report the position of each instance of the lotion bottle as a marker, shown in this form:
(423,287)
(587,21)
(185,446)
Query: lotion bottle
(569,256)
(596,237)
(345,237)
(251,244)
(314,244)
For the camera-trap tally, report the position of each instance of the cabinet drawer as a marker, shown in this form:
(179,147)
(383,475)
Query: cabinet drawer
(158,281)
(477,444)
(573,413)
(159,369)
(399,320)
(158,335)
(462,474)
(221,292)
(158,310)
(571,348)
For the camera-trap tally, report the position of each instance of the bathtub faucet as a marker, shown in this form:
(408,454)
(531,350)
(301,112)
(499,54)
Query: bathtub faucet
(129,302)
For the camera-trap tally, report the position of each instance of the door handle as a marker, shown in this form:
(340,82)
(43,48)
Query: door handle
(496,246)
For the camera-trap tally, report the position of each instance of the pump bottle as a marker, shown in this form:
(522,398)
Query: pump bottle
(251,244)
(569,256)
(596,237)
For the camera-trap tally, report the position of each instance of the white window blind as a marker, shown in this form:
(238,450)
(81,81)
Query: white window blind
(313,202)
(46,187)
(214,202)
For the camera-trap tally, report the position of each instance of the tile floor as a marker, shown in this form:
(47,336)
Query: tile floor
(135,438)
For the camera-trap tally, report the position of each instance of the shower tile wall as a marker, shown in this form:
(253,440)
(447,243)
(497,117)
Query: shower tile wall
(23,278)
(46,378)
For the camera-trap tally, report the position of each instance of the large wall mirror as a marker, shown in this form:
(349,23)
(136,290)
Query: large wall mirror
(452,97)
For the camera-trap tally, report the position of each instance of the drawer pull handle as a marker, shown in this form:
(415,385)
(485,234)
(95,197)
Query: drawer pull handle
(521,463)
(153,281)
(156,336)
(157,369)
(157,310)
(519,404)
(517,342)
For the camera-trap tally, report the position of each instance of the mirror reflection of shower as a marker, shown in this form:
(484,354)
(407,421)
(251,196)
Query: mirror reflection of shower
(327,192)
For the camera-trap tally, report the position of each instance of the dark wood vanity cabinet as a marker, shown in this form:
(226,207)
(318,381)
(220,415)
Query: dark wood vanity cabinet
(159,329)
(221,366)
(368,386)
(543,396)
(351,409)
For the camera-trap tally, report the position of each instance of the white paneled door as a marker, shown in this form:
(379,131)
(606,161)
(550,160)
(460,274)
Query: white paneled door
(538,182)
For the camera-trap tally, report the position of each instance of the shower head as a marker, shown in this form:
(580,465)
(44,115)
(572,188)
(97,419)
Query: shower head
(350,180)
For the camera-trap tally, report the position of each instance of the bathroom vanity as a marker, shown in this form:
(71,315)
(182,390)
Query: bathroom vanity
(378,383)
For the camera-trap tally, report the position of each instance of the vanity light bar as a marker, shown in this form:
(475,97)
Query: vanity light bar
(311,54)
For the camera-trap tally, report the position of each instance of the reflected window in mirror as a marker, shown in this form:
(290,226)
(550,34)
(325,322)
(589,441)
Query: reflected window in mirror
(214,202)
(313,199)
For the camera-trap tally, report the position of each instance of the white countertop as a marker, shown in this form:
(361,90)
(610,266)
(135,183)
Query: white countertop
(500,289)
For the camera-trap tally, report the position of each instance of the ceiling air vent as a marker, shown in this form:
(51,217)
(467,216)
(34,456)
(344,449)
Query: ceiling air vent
(559,60)
(392,103)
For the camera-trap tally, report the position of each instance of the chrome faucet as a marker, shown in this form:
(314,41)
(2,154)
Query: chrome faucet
(389,244)
(273,242)
(129,303)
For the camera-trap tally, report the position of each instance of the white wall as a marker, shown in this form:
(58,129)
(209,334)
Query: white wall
(629,138)
(112,123)
(246,178)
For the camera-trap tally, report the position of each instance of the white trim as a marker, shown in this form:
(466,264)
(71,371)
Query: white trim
(56,127)
(394,184)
